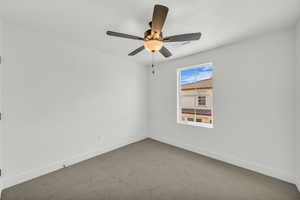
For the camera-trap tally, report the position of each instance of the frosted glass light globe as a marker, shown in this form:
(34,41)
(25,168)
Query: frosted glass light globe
(153,45)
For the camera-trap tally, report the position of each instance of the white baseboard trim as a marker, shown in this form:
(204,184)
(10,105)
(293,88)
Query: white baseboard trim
(269,171)
(26,176)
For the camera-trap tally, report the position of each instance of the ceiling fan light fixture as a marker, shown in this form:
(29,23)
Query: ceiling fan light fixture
(153,38)
(153,45)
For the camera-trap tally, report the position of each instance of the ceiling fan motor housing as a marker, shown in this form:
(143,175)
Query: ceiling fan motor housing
(147,34)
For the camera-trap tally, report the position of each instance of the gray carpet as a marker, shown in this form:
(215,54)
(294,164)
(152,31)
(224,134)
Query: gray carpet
(152,170)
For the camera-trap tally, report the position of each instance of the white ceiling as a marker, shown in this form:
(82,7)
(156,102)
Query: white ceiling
(86,21)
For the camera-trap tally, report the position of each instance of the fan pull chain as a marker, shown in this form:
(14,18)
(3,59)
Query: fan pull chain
(153,69)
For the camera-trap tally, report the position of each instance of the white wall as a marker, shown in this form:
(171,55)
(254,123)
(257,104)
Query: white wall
(1,132)
(298,103)
(65,102)
(254,105)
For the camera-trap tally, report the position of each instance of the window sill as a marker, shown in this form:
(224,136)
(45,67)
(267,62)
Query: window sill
(199,124)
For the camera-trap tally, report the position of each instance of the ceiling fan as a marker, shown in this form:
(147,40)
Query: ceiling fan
(153,38)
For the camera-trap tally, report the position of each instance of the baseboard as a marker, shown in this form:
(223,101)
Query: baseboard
(269,171)
(26,176)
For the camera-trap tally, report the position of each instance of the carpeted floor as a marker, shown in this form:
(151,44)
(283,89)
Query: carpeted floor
(152,170)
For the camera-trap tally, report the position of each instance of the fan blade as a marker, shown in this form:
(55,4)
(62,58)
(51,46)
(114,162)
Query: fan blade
(183,37)
(165,52)
(123,35)
(138,50)
(159,17)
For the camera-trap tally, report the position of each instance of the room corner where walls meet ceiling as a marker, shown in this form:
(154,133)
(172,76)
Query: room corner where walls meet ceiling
(216,20)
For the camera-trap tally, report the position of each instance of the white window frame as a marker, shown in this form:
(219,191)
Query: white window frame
(179,119)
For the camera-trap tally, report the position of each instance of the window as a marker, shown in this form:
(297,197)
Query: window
(198,120)
(201,100)
(195,95)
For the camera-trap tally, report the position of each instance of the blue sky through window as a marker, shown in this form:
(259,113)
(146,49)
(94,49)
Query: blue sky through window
(195,74)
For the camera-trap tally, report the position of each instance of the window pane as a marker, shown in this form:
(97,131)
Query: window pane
(195,95)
